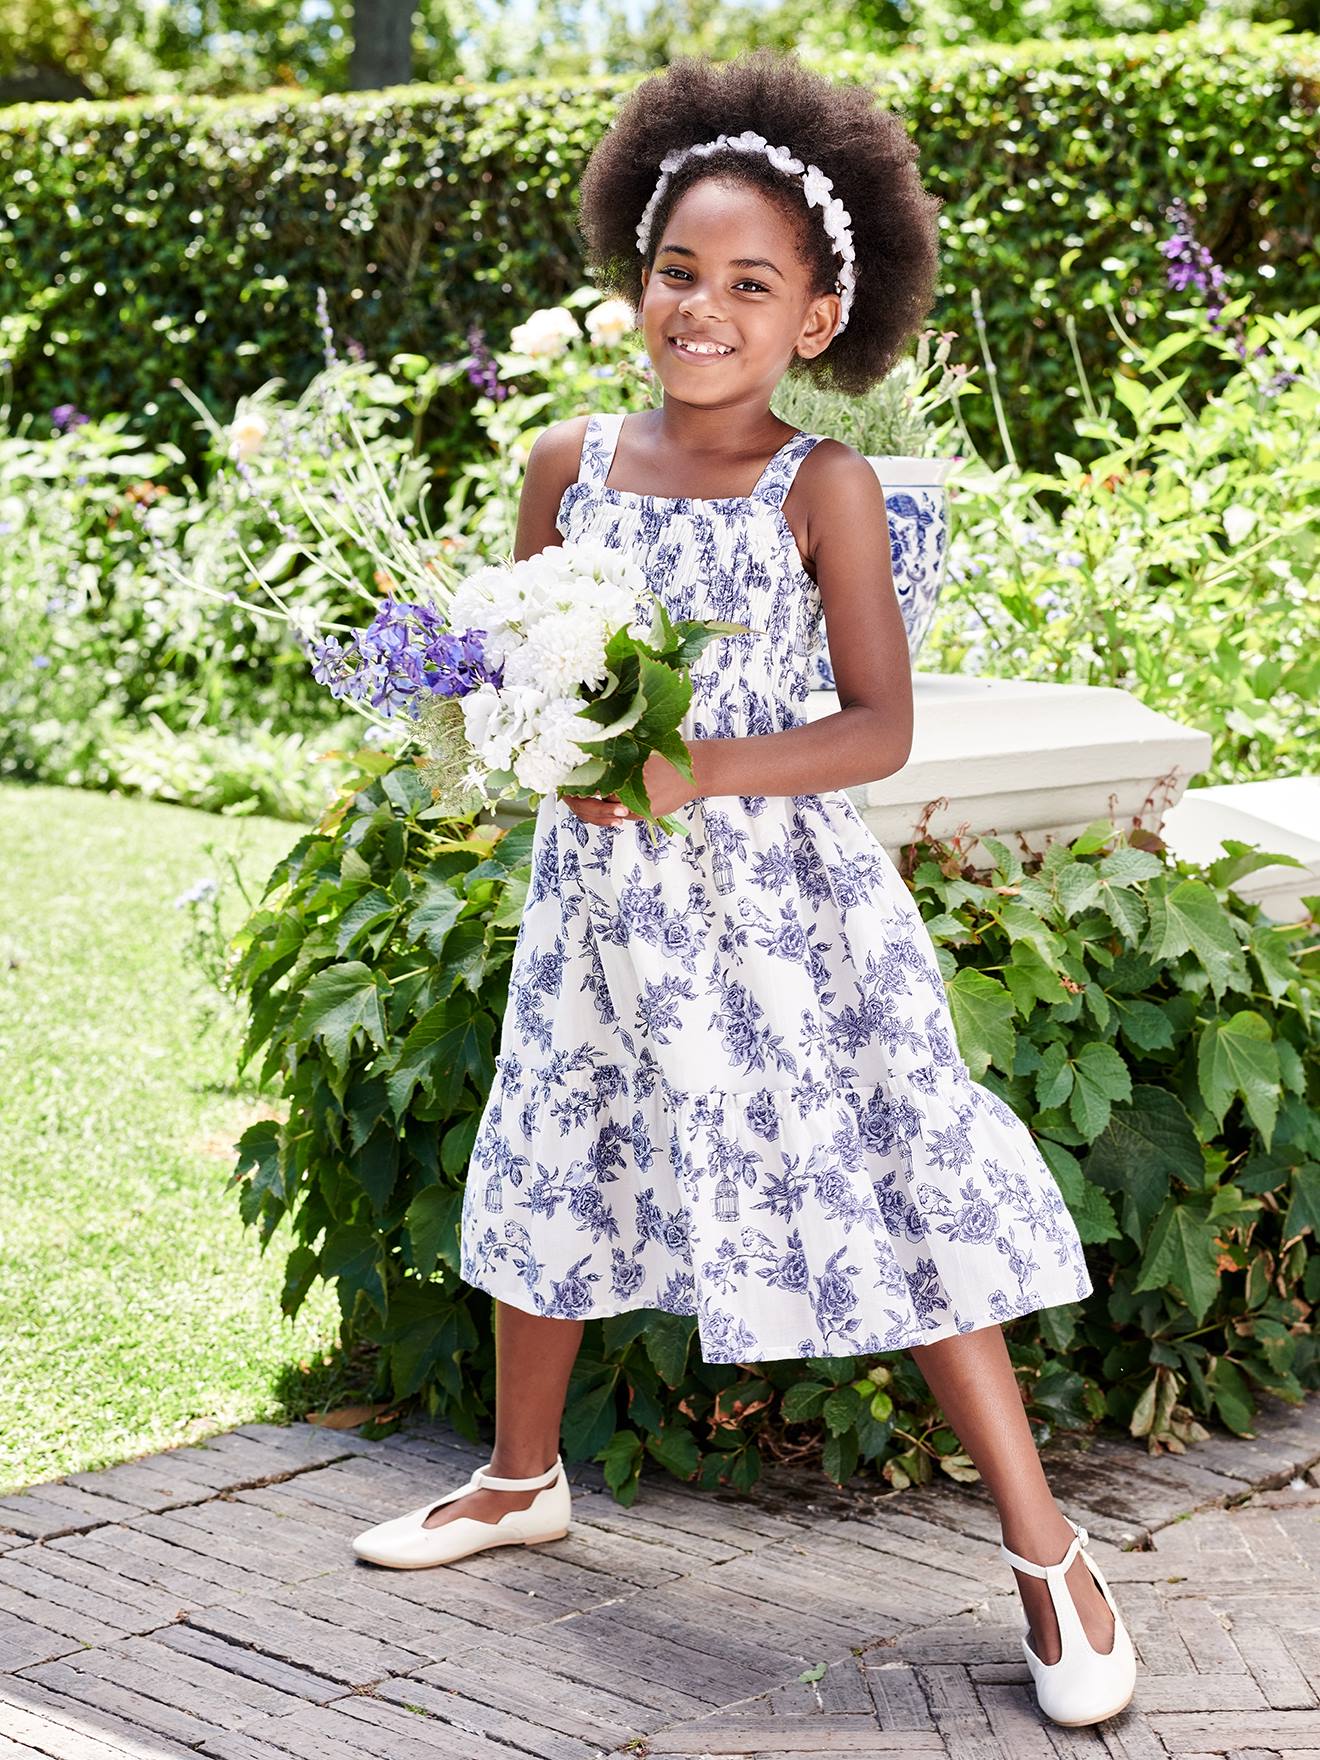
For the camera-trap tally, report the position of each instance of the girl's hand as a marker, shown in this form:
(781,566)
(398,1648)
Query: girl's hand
(666,788)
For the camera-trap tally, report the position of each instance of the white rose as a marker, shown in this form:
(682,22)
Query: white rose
(610,321)
(246,435)
(546,333)
(496,728)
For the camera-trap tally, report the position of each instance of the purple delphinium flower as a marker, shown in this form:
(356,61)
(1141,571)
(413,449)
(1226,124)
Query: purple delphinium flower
(1190,265)
(481,369)
(402,654)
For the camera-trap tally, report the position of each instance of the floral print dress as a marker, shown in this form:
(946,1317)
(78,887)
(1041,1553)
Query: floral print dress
(728,1083)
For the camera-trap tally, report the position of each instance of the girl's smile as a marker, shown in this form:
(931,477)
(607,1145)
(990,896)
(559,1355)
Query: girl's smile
(692,348)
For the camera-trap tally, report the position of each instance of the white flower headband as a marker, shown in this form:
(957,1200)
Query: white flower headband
(816,188)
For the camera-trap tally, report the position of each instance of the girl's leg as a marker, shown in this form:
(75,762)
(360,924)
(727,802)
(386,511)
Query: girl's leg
(972,1378)
(534,1357)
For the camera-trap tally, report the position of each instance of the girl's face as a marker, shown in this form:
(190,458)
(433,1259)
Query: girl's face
(727,271)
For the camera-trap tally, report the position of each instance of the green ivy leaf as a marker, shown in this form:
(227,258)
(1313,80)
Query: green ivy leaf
(1182,1252)
(259,1148)
(1054,1078)
(436,908)
(301,1269)
(1272,952)
(339,1002)
(803,1401)
(1031,978)
(667,1342)
(432,1221)
(1100,1077)
(1089,1207)
(1126,911)
(840,1410)
(1021,924)
(1008,866)
(1237,1057)
(1143,1147)
(983,1021)
(1143,1024)
(376,1167)
(445,1045)
(1188,918)
(621,1458)
(676,1450)
(590,1409)
(1078,887)
(1126,866)
(839,1457)
(1232,1395)
(352,1254)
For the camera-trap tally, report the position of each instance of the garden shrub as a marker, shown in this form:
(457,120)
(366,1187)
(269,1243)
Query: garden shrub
(1154,1030)
(160,239)
(1171,552)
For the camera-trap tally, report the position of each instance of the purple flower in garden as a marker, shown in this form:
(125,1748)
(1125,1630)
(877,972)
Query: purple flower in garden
(481,369)
(1190,266)
(67,415)
(1190,263)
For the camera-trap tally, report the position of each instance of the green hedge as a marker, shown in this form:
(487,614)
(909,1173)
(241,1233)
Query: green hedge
(1158,1035)
(150,239)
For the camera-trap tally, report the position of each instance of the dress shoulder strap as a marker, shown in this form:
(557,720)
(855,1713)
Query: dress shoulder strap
(598,444)
(776,479)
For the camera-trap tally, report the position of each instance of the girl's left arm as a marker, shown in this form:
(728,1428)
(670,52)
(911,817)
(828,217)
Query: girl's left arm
(871,734)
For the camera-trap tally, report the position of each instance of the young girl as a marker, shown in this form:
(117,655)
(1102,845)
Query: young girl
(728,1083)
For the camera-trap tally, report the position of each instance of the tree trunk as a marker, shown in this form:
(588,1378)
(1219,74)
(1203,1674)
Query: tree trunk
(382,44)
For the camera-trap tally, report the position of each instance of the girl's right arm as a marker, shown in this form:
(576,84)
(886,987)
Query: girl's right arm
(552,464)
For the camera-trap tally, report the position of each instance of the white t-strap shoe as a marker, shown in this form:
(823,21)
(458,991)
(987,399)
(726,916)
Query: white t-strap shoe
(404,1543)
(1085,1685)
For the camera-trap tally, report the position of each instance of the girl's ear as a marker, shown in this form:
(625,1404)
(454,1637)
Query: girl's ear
(818,331)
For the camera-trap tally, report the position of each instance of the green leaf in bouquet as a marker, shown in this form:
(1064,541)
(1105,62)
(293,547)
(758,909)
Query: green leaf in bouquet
(623,721)
(674,747)
(697,637)
(586,778)
(666,696)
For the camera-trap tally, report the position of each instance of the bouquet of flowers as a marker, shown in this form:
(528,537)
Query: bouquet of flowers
(549,673)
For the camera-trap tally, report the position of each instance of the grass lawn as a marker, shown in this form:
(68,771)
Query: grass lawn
(137,1310)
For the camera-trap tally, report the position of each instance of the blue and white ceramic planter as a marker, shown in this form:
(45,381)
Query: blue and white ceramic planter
(917,504)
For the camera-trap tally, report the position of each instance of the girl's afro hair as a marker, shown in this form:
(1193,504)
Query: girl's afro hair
(864,150)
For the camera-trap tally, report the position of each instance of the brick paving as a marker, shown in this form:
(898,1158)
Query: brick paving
(204,1601)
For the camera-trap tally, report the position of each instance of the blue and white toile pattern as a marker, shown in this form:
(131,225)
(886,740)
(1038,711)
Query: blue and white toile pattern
(728,1083)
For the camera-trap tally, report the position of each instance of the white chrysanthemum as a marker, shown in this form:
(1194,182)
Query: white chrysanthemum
(610,321)
(546,333)
(563,650)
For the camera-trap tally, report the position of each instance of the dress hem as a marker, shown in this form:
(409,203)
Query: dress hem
(932,1335)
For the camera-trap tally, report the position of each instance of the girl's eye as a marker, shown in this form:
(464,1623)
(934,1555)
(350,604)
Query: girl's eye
(673,269)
